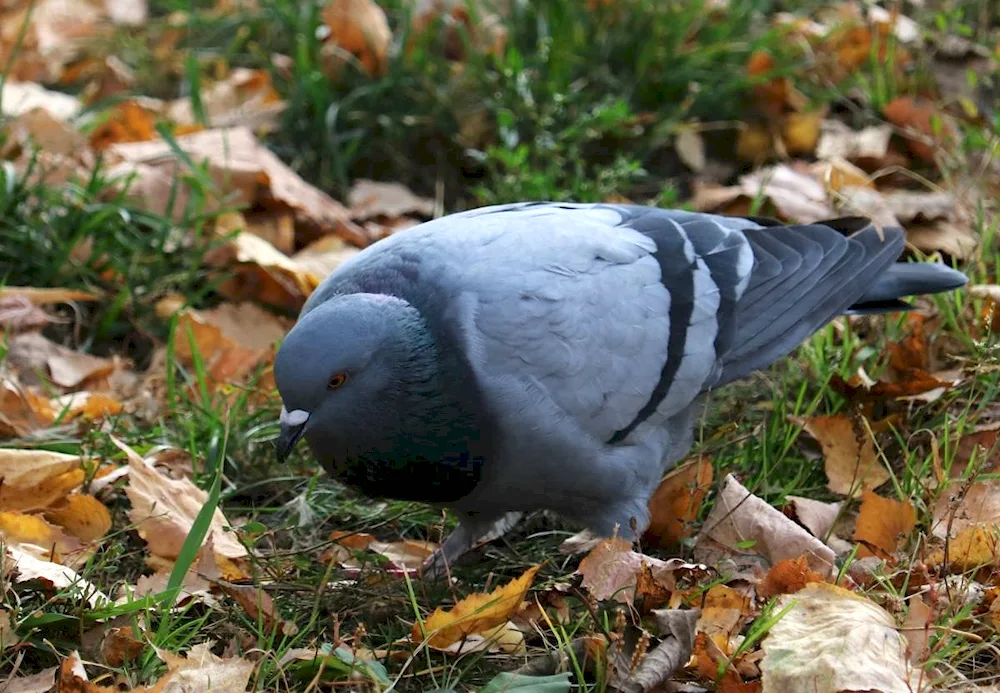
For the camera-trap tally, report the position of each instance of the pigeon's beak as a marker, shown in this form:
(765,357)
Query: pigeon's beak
(293,425)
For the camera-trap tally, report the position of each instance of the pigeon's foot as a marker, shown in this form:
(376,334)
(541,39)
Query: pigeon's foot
(472,531)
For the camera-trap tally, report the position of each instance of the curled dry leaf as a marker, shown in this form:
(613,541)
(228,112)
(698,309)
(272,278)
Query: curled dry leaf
(675,504)
(820,519)
(832,640)
(787,577)
(634,670)
(742,523)
(848,454)
(612,570)
(837,140)
(42,682)
(883,524)
(474,614)
(795,196)
(22,409)
(360,28)
(66,368)
(36,479)
(164,510)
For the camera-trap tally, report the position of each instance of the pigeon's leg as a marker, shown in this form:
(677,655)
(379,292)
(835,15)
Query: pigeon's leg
(472,529)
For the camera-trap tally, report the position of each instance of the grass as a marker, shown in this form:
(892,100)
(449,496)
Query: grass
(582,104)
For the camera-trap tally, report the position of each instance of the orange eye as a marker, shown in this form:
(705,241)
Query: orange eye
(337,380)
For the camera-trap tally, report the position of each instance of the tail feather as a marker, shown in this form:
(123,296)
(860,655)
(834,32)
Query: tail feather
(907,279)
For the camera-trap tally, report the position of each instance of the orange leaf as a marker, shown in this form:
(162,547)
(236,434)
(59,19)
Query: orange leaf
(882,524)
(360,28)
(848,454)
(81,515)
(788,576)
(923,120)
(476,613)
(675,504)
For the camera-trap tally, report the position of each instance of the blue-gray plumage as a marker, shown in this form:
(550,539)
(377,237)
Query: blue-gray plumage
(556,356)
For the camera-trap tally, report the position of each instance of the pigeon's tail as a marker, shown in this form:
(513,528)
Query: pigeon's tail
(906,279)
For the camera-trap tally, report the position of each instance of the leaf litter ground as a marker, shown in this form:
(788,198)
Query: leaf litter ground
(842,535)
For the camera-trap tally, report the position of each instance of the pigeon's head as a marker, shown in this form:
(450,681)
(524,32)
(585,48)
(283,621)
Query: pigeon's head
(342,367)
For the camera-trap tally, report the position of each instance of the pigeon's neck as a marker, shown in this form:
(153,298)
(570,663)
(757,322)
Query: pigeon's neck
(430,454)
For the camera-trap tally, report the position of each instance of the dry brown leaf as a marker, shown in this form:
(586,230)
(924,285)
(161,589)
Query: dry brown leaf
(277,228)
(39,128)
(6,632)
(832,640)
(245,172)
(723,610)
(324,255)
(64,367)
(408,555)
(232,339)
(675,504)
(244,98)
(127,121)
(776,96)
(957,509)
(743,524)
(474,614)
(22,410)
(612,570)
(926,127)
(83,516)
(848,454)
(54,576)
(883,524)
(360,28)
(690,147)
(71,677)
(35,479)
(796,196)
(164,511)
(917,629)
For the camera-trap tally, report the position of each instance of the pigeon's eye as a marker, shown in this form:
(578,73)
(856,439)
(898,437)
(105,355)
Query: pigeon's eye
(337,380)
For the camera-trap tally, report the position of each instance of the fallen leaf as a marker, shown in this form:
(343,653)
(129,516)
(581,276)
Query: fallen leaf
(612,570)
(22,410)
(261,273)
(324,255)
(723,610)
(837,140)
(200,670)
(690,148)
(797,196)
(127,121)
(474,614)
(743,524)
(42,682)
(258,606)
(244,171)
(831,640)
(800,132)
(360,28)
(883,524)
(787,577)
(635,670)
(774,96)
(71,677)
(950,238)
(35,479)
(408,555)
(368,199)
(231,339)
(43,296)
(164,511)
(482,30)
(505,638)
(19,98)
(969,549)
(244,98)
(56,577)
(916,629)
(83,516)
(120,646)
(33,534)
(676,502)
(926,127)
(18,314)
(820,518)
(848,454)
(6,632)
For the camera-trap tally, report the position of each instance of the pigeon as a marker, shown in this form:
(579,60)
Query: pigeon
(557,356)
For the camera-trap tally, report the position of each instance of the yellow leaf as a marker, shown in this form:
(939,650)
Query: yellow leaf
(476,613)
(973,547)
(18,528)
(83,516)
(848,454)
